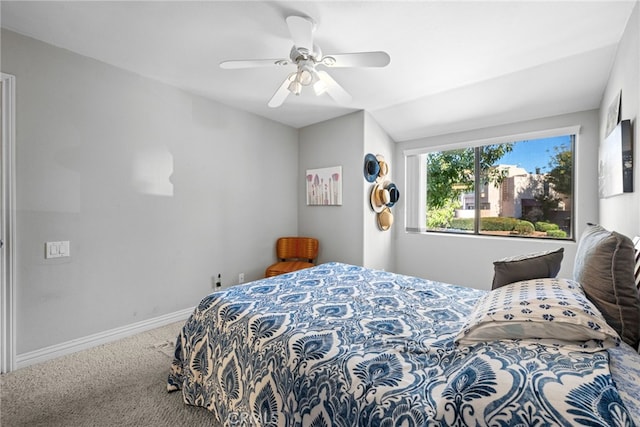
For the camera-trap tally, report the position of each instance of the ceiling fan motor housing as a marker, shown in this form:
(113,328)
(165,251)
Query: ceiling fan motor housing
(299,54)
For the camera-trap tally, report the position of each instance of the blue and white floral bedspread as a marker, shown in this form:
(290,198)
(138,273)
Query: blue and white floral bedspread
(341,345)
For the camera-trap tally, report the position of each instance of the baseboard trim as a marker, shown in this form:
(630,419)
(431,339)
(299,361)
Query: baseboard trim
(52,352)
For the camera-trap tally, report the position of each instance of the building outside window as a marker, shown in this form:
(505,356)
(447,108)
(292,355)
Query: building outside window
(516,188)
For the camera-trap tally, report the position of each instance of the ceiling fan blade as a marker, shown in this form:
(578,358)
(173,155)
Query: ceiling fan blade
(281,94)
(357,59)
(334,90)
(253,63)
(301,30)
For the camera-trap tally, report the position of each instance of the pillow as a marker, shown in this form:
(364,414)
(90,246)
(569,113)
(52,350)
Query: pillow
(526,267)
(555,311)
(604,267)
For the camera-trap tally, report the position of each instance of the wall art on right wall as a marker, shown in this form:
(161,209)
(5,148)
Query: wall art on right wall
(615,165)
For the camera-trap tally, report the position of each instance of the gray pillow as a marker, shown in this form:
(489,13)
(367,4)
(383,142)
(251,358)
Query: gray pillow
(604,267)
(537,265)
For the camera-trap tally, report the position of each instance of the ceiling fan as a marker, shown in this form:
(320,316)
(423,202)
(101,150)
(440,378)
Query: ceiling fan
(307,57)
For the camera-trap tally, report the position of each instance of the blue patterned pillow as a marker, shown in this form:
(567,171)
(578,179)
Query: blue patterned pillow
(553,310)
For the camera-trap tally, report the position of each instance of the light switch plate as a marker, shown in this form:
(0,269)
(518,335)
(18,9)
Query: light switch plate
(57,249)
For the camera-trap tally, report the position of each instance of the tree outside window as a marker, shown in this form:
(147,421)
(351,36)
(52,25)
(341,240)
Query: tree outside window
(524,189)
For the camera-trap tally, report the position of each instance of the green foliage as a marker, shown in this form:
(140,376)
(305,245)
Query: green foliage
(497,223)
(465,224)
(489,155)
(546,226)
(547,203)
(442,217)
(557,233)
(451,173)
(559,178)
(511,225)
(524,227)
(488,224)
(534,215)
(561,166)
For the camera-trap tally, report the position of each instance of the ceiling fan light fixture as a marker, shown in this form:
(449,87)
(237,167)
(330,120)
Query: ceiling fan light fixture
(305,76)
(295,87)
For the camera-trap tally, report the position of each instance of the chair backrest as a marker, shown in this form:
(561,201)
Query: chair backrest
(297,248)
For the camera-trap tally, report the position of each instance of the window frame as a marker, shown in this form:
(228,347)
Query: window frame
(415,179)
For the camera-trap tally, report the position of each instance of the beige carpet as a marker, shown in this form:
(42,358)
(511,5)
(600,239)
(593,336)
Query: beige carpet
(118,384)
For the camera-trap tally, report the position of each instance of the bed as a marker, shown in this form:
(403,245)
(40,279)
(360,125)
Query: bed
(343,345)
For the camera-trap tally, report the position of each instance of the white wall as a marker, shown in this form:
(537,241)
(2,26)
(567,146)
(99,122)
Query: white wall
(335,142)
(156,189)
(622,212)
(468,260)
(378,245)
(347,233)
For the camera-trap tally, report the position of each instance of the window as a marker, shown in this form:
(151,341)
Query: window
(510,187)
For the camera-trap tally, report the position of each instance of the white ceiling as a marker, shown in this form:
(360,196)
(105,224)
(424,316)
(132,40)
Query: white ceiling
(454,65)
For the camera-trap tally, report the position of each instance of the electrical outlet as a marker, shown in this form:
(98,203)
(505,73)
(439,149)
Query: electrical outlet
(241,278)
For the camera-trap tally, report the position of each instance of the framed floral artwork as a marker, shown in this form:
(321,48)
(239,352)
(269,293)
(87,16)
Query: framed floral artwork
(324,186)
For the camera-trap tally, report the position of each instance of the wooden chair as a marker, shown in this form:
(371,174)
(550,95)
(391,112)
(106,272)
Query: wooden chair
(294,253)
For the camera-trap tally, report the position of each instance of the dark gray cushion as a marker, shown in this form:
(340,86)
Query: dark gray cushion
(537,265)
(604,267)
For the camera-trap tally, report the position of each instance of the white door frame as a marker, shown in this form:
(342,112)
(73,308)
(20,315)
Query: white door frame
(7,227)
